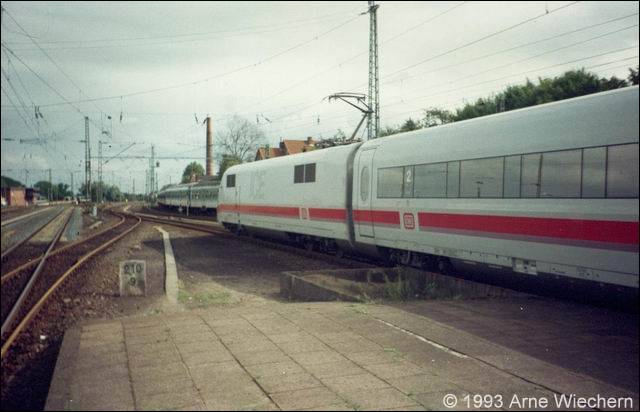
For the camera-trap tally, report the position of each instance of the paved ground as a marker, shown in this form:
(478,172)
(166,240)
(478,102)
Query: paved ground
(296,356)
(235,345)
(596,342)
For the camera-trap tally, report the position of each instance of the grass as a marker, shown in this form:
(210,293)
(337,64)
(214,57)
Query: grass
(397,355)
(359,308)
(403,288)
(203,299)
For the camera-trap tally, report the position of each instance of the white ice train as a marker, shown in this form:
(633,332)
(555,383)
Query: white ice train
(546,190)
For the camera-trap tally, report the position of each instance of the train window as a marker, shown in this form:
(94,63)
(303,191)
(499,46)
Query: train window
(407,190)
(481,177)
(530,181)
(310,173)
(560,175)
(430,180)
(231,180)
(364,183)
(594,163)
(390,182)
(622,171)
(511,176)
(298,174)
(453,179)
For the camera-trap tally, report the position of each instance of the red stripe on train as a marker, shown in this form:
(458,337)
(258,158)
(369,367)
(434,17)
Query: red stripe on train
(285,211)
(327,214)
(261,210)
(384,217)
(578,229)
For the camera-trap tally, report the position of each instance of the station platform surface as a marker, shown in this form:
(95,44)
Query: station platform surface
(294,356)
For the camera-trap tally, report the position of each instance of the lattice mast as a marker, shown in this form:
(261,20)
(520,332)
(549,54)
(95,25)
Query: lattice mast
(373,122)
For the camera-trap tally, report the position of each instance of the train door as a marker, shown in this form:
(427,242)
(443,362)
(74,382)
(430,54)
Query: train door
(232,195)
(236,193)
(364,177)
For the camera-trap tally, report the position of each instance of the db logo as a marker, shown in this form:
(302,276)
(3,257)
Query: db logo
(409,221)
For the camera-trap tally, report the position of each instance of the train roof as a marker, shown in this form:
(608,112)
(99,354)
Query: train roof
(578,122)
(332,153)
(212,182)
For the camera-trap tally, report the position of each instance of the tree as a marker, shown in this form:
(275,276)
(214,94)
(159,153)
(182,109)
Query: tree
(45,189)
(192,169)
(387,131)
(228,161)
(434,116)
(62,190)
(573,83)
(9,182)
(241,139)
(110,193)
(340,136)
(633,75)
(55,192)
(409,125)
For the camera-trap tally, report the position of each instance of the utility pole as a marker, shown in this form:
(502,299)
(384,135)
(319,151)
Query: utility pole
(50,186)
(209,170)
(100,184)
(152,171)
(72,188)
(373,122)
(87,159)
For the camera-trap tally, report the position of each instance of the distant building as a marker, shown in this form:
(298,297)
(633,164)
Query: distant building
(286,147)
(14,196)
(32,196)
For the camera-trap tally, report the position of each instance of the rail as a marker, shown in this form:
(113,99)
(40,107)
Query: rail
(30,236)
(68,262)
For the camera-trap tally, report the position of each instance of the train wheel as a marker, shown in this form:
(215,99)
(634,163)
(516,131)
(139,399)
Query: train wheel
(309,245)
(404,258)
(444,266)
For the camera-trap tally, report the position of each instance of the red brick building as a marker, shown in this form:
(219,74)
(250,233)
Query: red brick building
(286,147)
(14,196)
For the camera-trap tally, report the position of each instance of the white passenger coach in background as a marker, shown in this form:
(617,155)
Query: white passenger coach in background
(200,197)
(546,190)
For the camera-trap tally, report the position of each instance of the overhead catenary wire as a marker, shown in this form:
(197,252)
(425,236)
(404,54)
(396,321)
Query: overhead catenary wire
(496,53)
(483,93)
(21,102)
(535,56)
(213,77)
(495,68)
(445,92)
(481,39)
(248,30)
(18,110)
(33,40)
(335,66)
(493,34)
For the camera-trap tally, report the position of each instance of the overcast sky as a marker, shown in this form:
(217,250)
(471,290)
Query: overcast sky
(161,65)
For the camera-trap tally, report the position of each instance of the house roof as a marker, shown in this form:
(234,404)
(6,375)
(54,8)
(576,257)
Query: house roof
(287,147)
(273,152)
(297,146)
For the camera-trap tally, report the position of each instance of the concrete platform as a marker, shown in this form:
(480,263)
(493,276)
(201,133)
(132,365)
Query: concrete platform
(311,356)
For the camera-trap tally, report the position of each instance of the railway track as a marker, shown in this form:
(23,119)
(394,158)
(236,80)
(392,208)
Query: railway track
(217,229)
(25,290)
(17,253)
(193,217)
